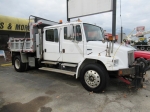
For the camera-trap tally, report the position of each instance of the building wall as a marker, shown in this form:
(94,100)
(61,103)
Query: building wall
(14,34)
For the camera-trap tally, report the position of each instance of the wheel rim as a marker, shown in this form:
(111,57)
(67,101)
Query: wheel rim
(17,63)
(92,78)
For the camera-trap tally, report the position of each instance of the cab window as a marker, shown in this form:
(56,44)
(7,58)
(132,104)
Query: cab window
(77,33)
(52,35)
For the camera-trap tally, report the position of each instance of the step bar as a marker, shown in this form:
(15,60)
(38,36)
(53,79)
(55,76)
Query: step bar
(63,64)
(50,62)
(58,71)
(68,64)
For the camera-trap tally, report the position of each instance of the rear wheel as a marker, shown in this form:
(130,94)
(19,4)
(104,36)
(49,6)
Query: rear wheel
(18,65)
(94,78)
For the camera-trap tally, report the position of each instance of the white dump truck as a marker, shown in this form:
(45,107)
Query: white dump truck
(77,49)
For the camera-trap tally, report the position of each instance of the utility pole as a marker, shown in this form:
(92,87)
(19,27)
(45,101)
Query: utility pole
(113,24)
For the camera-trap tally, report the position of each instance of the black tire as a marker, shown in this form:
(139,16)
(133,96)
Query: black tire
(38,63)
(101,72)
(27,67)
(148,48)
(143,62)
(18,65)
(142,48)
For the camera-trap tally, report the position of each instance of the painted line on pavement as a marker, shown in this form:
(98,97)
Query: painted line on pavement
(8,64)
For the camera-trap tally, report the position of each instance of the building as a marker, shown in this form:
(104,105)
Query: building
(12,27)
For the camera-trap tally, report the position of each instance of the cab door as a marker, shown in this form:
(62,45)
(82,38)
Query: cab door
(73,48)
(51,45)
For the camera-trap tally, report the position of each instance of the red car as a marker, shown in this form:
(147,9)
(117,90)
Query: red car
(144,54)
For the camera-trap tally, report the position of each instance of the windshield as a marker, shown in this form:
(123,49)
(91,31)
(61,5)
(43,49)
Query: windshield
(93,33)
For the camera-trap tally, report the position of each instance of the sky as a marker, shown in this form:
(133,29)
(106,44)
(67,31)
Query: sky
(133,13)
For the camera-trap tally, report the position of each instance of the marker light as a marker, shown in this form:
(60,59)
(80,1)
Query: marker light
(60,21)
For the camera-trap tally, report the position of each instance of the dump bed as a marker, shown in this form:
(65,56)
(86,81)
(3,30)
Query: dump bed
(36,25)
(20,44)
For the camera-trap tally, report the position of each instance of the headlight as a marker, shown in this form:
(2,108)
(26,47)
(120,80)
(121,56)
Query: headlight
(116,62)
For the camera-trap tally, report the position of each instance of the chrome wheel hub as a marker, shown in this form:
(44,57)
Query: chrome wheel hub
(17,63)
(92,78)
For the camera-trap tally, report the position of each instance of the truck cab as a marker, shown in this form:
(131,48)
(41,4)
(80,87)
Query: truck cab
(76,42)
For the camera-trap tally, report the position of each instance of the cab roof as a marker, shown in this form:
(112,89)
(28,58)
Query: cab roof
(63,24)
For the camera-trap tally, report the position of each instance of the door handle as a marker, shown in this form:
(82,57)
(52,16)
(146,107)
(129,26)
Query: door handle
(45,50)
(63,50)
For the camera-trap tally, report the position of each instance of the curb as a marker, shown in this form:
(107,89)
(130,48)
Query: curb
(8,64)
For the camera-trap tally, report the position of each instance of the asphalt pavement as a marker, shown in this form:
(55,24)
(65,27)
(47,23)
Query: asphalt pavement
(41,91)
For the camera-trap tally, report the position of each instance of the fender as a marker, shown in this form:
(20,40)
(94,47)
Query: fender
(106,61)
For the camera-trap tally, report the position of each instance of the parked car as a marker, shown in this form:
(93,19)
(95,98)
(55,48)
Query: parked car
(144,54)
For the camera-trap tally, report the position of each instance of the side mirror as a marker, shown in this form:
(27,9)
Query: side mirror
(103,32)
(70,31)
(104,40)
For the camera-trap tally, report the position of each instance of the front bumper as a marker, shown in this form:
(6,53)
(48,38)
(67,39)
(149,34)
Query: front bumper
(135,73)
(136,68)
(126,71)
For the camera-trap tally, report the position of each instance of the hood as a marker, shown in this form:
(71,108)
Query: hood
(99,46)
(120,52)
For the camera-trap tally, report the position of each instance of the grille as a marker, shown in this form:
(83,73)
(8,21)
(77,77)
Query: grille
(130,57)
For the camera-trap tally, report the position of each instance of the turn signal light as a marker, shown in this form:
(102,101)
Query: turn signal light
(60,21)
(110,38)
(79,20)
(120,72)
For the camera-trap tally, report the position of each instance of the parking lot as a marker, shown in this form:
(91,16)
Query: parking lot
(40,91)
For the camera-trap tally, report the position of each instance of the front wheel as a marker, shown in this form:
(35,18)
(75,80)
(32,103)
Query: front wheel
(94,78)
(18,65)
